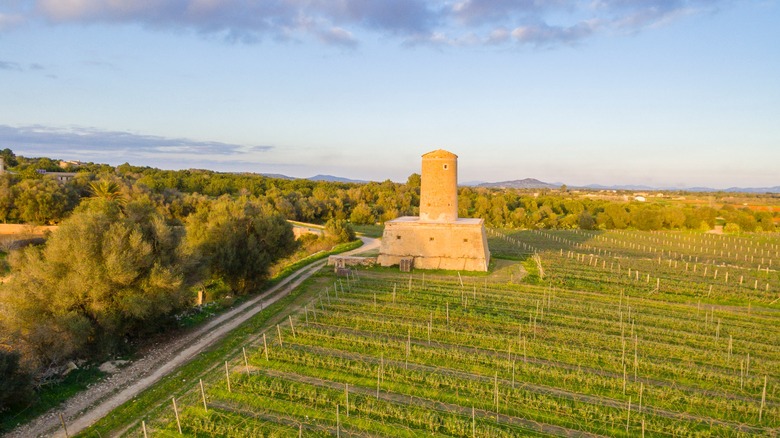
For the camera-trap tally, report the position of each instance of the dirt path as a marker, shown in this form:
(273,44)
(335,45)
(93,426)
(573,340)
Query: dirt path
(90,405)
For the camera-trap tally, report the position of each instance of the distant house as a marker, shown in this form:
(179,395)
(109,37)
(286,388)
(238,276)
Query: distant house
(62,177)
(640,198)
(70,163)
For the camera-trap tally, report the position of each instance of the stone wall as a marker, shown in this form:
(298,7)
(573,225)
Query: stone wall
(343,261)
(457,245)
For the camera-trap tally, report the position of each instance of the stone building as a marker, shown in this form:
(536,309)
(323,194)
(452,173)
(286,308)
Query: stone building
(438,238)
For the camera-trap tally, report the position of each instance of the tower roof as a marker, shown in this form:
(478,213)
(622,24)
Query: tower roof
(439,153)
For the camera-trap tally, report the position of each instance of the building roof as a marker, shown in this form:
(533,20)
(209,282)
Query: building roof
(439,153)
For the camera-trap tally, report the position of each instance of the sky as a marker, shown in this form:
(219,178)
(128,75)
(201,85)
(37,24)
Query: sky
(666,93)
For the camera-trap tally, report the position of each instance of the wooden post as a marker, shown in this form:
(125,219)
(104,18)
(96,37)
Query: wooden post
(176,411)
(513,374)
(473,423)
(346,396)
(143,427)
(730,343)
(203,395)
(265,347)
(628,414)
(495,391)
(279,333)
(763,401)
(338,422)
(741,373)
(62,420)
(227,375)
(292,327)
(641,390)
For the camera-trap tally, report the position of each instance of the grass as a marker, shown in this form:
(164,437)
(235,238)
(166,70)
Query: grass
(171,385)
(50,396)
(589,348)
(369,230)
(197,316)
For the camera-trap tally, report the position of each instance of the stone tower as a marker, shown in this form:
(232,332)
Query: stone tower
(439,187)
(438,238)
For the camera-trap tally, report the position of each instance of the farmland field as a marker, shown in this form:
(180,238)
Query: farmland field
(574,333)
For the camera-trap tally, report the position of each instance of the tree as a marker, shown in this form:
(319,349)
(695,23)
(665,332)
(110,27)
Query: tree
(43,201)
(362,215)
(6,197)
(646,218)
(673,218)
(765,221)
(339,231)
(106,189)
(15,383)
(238,240)
(616,216)
(414,181)
(100,278)
(586,221)
(9,158)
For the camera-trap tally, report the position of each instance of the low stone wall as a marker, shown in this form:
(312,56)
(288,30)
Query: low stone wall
(26,229)
(344,261)
(300,231)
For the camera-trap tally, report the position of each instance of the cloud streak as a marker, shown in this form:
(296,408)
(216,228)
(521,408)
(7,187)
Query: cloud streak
(337,22)
(91,142)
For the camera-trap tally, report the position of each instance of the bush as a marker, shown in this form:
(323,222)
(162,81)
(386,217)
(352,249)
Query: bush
(15,384)
(339,231)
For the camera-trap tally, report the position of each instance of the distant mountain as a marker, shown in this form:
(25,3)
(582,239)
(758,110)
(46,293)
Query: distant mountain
(277,176)
(621,187)
(775,189)
(527,183)
(331,178)
(533,183)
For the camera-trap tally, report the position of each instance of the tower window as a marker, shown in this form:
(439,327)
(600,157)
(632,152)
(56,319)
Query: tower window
(431,239)
(398,237)
(446,166)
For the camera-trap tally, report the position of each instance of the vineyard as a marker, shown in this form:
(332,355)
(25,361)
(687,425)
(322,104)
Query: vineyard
(573,333)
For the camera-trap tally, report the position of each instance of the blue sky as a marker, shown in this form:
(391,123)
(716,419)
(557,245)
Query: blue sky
(655,92)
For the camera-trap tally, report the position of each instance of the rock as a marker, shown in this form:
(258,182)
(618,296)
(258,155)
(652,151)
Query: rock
(112,366)
(70,366)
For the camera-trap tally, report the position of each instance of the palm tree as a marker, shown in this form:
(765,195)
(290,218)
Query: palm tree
(108,190)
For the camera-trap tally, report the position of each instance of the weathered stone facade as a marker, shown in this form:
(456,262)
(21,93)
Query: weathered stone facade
(438,239)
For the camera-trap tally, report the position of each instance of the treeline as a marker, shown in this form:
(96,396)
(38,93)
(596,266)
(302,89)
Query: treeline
(32,197)
(556,210)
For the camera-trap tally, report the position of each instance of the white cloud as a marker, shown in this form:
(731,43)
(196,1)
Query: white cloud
(337,22)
